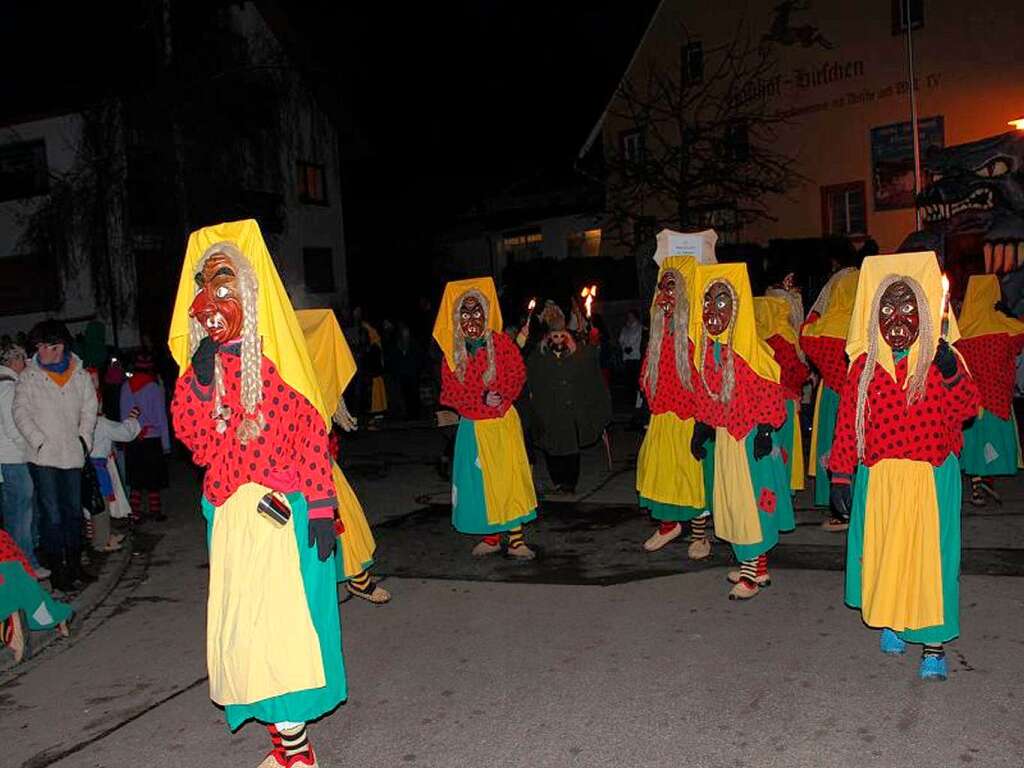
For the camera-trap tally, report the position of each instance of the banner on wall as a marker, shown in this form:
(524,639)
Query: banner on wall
(892,159)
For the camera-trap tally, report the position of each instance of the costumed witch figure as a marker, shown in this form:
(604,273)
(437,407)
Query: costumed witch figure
(741,407)
(673,485)
(21,595)
(248,407)
(990,341)
(481,376)
(899,431)
(823,341)
(570,405)
(775,327)
(335,366)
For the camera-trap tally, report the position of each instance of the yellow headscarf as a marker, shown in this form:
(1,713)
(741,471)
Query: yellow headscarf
(686,266)
(444,325)
(282,339)
(835,319)
(330,353)
(772,316)
(979,316)
(922,267)
(745,341)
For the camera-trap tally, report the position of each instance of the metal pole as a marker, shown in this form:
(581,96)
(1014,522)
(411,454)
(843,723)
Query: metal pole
(905,11)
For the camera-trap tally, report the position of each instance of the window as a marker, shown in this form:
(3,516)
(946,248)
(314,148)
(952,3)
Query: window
(737,141)
(23,170)
(631,145)
(843,210)
(585,243)
(900,8)
(312,184)
(692,61)
(522,244)
(318,269)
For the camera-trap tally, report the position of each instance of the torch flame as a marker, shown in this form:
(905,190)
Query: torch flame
(532,305)
(1018,123)
(585,292)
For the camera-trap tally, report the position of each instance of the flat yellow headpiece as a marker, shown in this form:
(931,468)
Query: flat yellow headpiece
(772,316)
(835,319)
(979,316)
(330,353)
(454,293)
(281,337)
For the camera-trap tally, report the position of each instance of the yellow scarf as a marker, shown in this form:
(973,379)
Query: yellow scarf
(330,353)
(922,267)
(282,339)
(444,325)
(979,316)
(771,314)
(745,342)
(835,319)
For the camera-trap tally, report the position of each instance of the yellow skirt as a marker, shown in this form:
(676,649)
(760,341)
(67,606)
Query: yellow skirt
(796,451)
(735,508)
(813,469)
(378,395)
(666,471)
(508,482)
(357,544)
(261,641)
(901,580)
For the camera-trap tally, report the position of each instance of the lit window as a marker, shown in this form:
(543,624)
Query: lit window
(900,11)
(522,244)
(318,270)
(312,186)
(585,243)
(843,210)
(631,145)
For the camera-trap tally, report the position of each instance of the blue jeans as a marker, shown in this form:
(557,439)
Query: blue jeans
(58,499)
(16,496)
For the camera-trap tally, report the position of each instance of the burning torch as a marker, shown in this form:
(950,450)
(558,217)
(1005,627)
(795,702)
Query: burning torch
(945,307)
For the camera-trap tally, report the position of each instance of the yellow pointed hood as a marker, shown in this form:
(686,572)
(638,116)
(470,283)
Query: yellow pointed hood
(922,267)
(329,351)
(834,319)
(979,316)
(282,339)
(454,292)
(771,314)
(745,341)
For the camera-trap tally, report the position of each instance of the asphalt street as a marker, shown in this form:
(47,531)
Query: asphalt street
(596,654)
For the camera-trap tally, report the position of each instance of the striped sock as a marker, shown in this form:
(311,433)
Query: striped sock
(154,503)
(492,539)
(935,650)
(135,502)
(762,565)
(361,582)
(515,538)
(294,741)
(699,528)
(748,570)
(275,735)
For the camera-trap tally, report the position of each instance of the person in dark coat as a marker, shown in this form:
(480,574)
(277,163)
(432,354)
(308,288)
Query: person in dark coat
(571,406)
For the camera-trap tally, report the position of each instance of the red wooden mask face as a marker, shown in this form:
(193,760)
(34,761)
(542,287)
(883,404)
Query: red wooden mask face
(666,298)
(472,318)
(898,319)
(218,305)
(718,309)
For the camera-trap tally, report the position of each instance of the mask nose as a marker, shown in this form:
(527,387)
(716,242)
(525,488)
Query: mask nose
(200,304)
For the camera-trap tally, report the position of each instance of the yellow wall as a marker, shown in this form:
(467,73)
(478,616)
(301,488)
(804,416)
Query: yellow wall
(969,67)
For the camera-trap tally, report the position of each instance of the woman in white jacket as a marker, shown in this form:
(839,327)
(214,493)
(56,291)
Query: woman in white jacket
(55,410)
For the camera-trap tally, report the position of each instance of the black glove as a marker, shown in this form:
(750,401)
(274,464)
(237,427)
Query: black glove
(702,433)
(321,533)
(202,360)
(841,500)
(1004,308)
(763,441)
(945,360)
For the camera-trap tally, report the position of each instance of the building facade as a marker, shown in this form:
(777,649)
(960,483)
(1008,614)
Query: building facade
(838,99)
(96,204)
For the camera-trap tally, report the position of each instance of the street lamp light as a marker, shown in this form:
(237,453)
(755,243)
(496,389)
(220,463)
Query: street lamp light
(1018,123)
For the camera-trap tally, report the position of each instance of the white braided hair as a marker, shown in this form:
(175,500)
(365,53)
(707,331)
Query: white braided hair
(925,352)
(459,339)
(680,331)
(251,354)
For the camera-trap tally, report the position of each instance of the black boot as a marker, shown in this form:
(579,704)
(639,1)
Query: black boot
(59,577)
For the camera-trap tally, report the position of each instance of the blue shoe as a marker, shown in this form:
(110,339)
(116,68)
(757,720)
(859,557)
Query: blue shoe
(891,644)
(933,668)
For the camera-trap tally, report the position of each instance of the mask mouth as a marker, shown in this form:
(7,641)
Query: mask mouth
(714,325)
